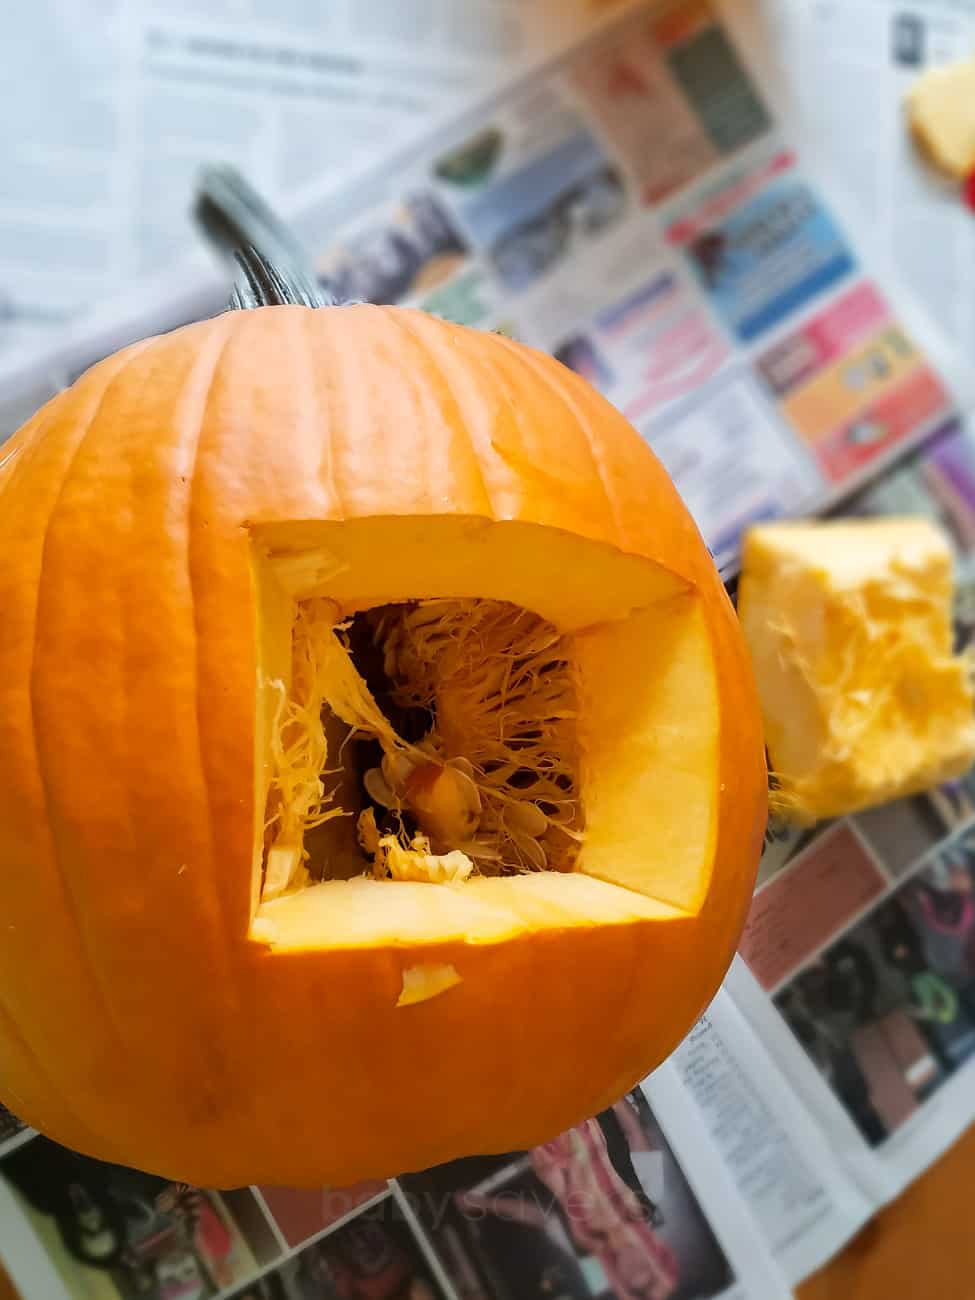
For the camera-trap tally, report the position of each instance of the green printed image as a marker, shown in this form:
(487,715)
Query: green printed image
(712,77)
(462,301)
(473,161)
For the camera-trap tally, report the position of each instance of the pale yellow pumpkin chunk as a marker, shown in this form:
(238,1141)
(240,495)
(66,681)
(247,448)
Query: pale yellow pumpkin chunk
(941,110)
(850,630)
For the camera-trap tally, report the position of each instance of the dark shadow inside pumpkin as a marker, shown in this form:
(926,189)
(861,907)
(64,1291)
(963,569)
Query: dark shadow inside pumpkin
(423,740)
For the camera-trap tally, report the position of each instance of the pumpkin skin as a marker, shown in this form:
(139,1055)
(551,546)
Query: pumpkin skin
(140,1019)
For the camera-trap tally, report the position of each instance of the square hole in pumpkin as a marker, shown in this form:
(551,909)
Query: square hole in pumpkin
(468,727)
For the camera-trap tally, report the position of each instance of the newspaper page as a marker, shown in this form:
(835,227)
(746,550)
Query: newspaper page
(806,1204)
(111,108)
(640,207)
(868,53)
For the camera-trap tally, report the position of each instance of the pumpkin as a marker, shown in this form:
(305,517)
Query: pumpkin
(381,772)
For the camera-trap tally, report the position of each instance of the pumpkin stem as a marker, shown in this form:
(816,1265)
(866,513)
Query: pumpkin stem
(272,269)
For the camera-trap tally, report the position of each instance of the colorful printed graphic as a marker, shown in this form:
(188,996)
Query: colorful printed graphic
(130,1236)
(410,249)
(580,354)
(732,462)
(473,161)
(468,299)
(633,95)
(768,258)
(374,1257)
(899,834)
(672,97)
(714,201)
(677,21)
(833,879)
(887,1012)
(304,1212)
(712,77)
(652,346)
(532,218)
(939,482)
(852,383)
(602,1211)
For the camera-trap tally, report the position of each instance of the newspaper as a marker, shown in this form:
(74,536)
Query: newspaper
(868,53)
(638,201)
(113,107)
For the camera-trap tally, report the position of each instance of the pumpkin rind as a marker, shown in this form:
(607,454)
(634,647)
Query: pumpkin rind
(138,1020)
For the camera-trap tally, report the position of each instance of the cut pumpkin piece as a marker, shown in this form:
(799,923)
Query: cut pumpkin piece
(941,111)
(380,761)
(850,628)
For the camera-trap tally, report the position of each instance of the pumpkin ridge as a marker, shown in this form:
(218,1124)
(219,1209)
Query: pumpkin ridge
(429,348)
(545,374)
(220,350)
(126,360)
(15,452)
(326,461)
(345,396)
(13,1030)
(408,378)
(14,446)
(10,463)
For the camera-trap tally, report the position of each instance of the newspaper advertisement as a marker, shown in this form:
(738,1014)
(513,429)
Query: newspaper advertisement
(869,53)
(639,205)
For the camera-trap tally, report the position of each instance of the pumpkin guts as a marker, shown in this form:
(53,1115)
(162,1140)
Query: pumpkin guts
(489,788)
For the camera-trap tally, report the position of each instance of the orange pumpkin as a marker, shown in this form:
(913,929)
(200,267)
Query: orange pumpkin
(381,773)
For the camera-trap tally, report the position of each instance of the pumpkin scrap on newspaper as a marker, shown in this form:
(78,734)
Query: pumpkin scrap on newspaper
(381,772)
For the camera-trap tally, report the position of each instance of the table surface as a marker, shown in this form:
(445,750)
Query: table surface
(921,1245)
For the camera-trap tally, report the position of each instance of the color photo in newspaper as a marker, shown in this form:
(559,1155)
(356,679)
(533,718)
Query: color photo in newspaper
(606,1209)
